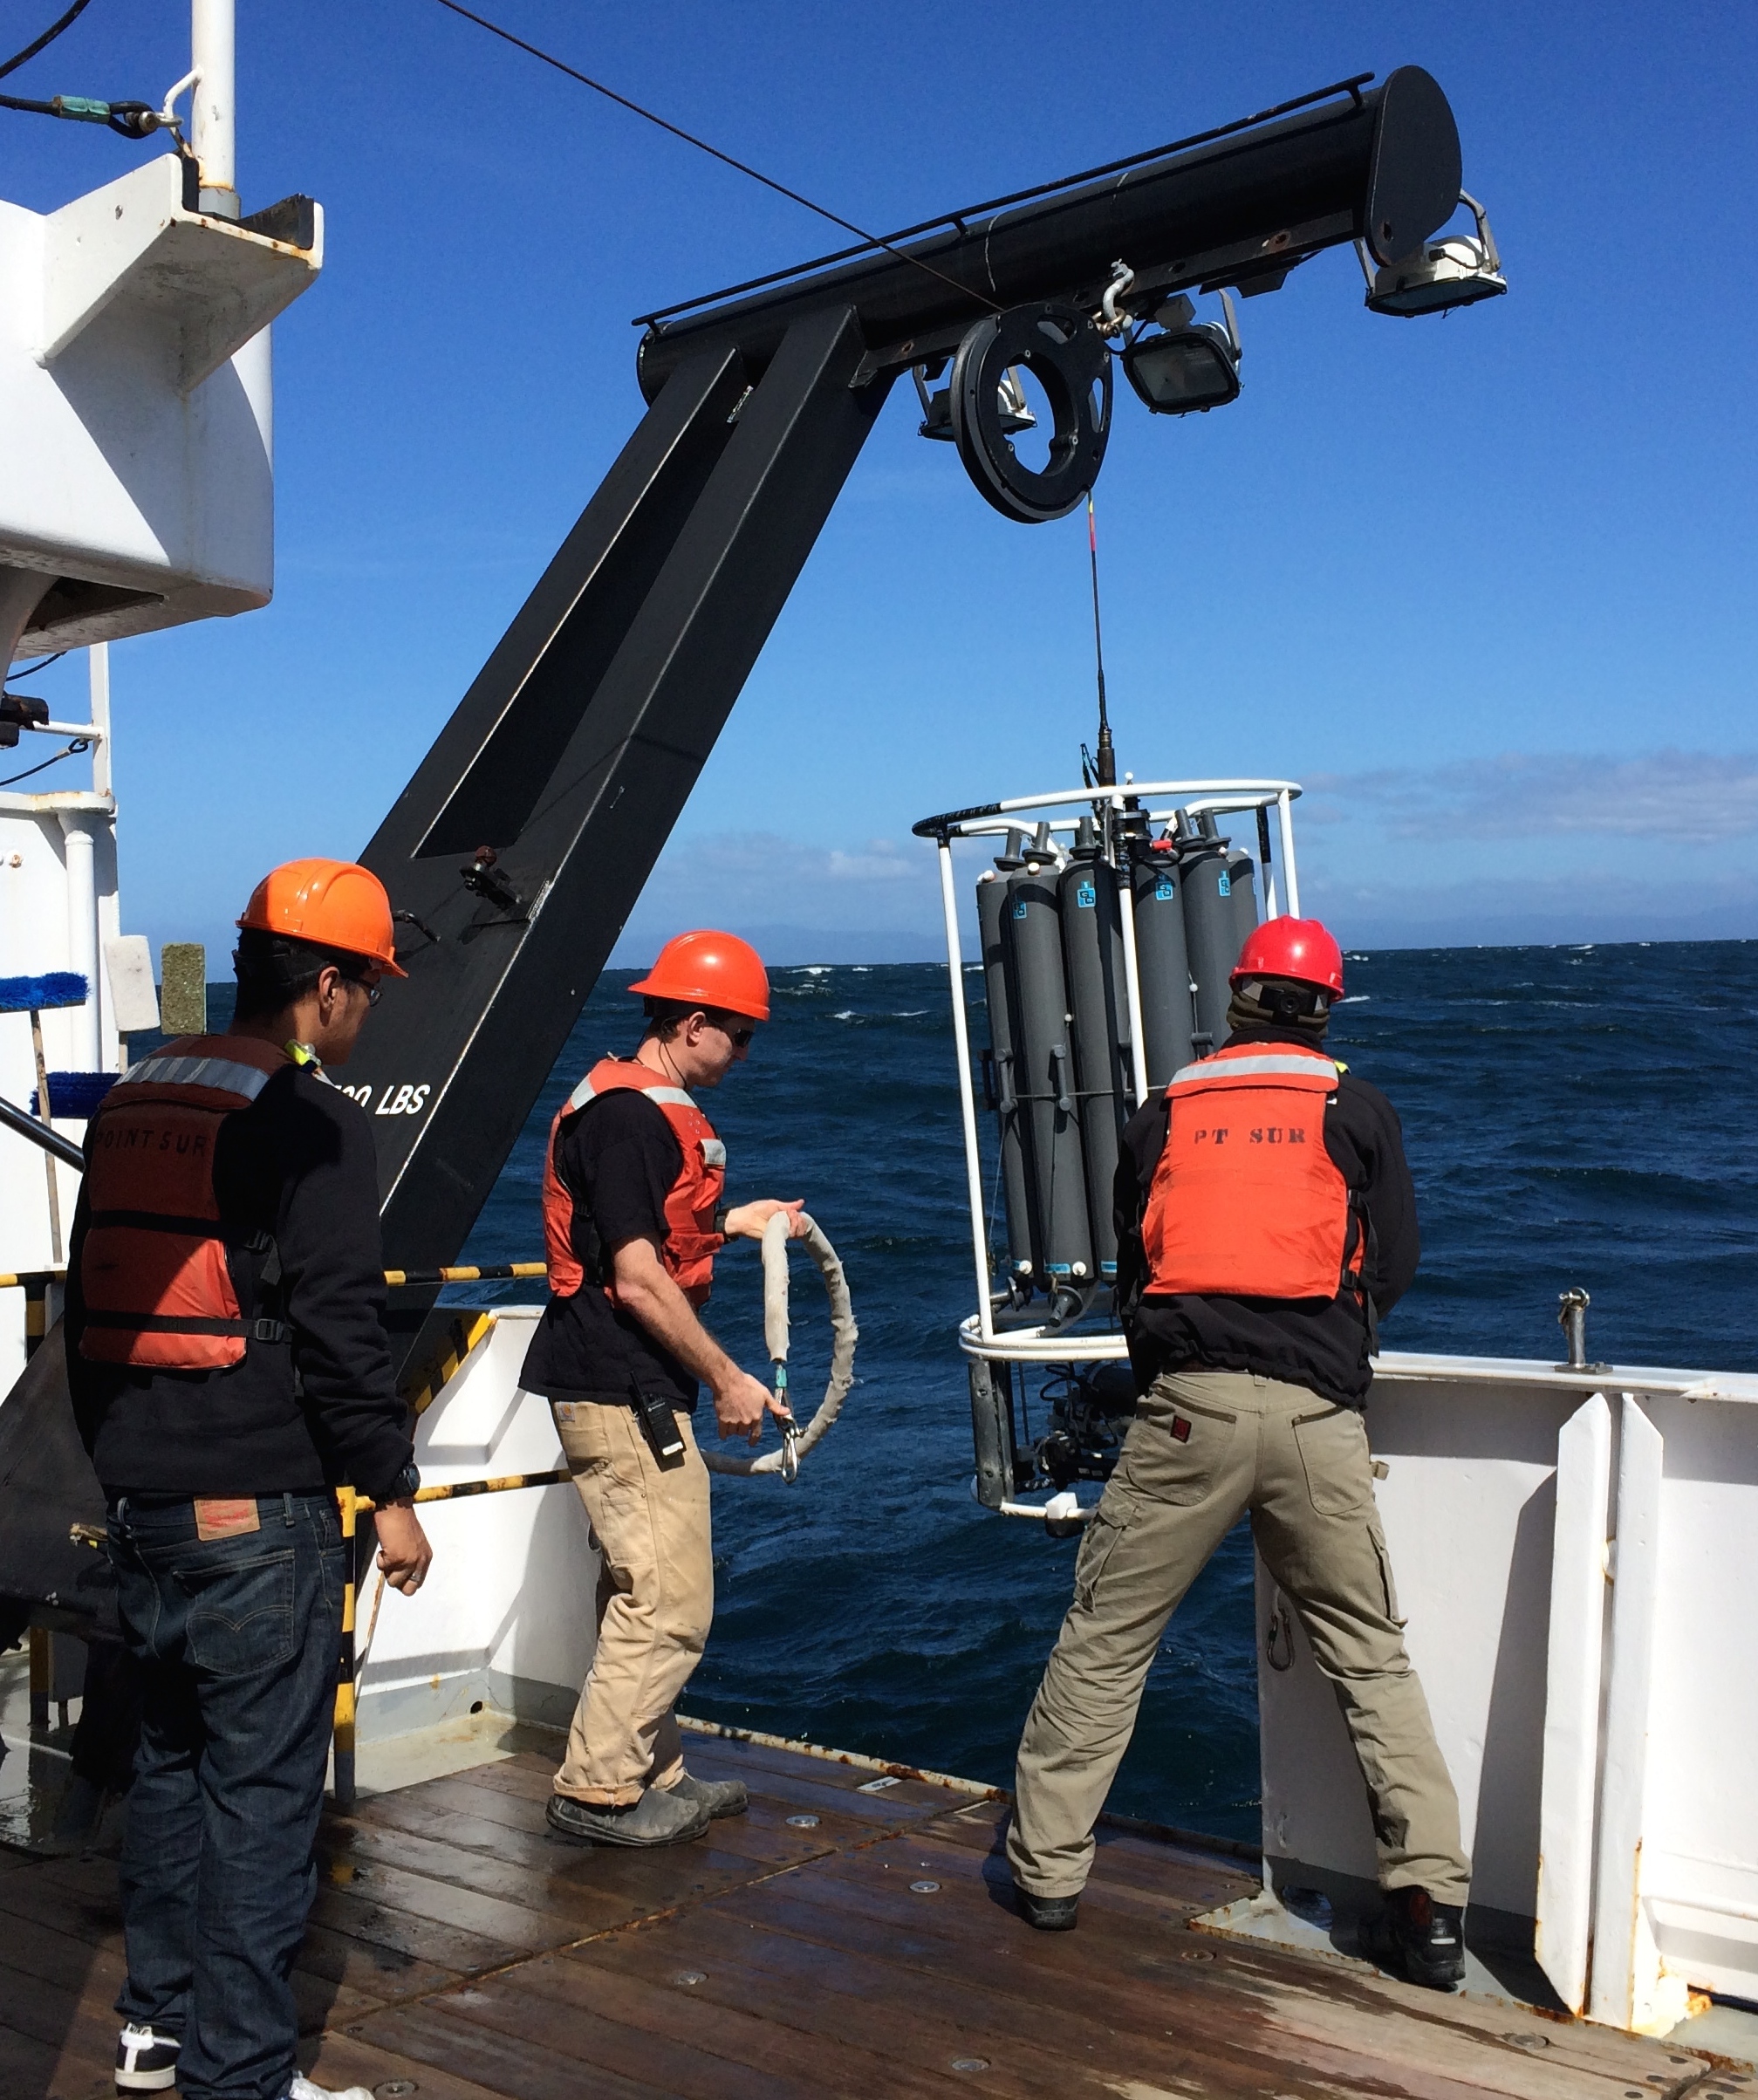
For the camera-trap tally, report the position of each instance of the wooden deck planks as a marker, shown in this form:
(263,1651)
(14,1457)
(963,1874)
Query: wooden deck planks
(457,1946)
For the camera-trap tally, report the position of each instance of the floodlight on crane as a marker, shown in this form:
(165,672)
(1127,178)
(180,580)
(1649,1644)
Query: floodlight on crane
(1455,270)
(1190,366)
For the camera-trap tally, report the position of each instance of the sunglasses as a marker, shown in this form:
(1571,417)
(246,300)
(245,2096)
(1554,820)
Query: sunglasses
(370,986)
(739,1037)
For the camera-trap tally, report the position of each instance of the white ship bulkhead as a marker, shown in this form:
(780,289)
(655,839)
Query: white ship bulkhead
(136,396)
(504,1623)
(59,907)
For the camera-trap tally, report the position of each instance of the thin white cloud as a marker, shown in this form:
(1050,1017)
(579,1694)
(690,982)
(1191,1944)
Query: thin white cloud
(1658,794)
(759,878)
(881,862)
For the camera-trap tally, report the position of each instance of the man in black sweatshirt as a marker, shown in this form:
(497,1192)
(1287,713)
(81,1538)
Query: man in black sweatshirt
(229,1366)
(1265,1218)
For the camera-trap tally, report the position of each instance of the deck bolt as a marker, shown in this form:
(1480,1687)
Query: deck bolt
(924,1888)
(691,1976)
(970,2063)
(802,1823)
(396,2089)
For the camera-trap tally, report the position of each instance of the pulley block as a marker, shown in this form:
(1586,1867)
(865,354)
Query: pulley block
(1060,346)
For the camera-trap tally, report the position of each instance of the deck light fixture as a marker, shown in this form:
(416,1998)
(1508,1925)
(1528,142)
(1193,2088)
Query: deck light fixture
(1453,271)
(1190,365)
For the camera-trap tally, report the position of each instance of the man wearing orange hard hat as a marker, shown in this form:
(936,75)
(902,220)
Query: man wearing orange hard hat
(1265,1220)
(633,1218)
(229,1366)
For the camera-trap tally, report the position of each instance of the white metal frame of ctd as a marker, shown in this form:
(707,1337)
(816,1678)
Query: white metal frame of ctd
(1159,800)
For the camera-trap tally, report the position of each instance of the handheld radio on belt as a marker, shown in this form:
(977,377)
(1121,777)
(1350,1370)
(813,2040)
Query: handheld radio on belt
(658,1421)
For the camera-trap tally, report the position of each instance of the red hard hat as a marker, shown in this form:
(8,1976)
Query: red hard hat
(333,904)
(711,969)
(1301,948)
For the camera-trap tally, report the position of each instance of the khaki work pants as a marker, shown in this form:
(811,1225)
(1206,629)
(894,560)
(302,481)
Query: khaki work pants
(1205,1447)
(655,1603)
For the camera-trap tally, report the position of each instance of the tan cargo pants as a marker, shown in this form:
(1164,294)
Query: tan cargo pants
(655,1603)
(1206,1446)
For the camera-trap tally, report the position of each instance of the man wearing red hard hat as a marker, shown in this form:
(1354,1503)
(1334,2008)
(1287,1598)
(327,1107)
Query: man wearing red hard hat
(229,1367)
(633,1218)
(1265,1218)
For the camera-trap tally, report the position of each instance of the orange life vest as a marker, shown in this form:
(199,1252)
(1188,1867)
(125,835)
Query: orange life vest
(691,1241)
(153,1269)
(1246,1200)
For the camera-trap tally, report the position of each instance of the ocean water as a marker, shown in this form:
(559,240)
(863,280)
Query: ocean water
(1573,1116)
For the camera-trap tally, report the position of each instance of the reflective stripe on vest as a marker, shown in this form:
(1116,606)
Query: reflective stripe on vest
(1246,1200)
(592,1085)
(688,1247)
(217,1075)
(153,1271)
(1250,1064)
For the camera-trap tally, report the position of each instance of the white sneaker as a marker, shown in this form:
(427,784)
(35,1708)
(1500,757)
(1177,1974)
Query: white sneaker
(146,2063)
(303,2089)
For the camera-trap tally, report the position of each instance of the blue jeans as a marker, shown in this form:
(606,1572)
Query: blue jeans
(238,1638)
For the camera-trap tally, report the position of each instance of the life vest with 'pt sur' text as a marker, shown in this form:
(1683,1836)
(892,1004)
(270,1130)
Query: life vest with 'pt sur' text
(1246,1200)
(153,1269)
(691,1241)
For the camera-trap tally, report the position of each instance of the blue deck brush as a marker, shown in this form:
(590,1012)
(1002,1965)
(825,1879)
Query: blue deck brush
(34,994)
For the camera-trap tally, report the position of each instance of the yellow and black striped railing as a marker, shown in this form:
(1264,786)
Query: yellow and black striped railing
(351,1508)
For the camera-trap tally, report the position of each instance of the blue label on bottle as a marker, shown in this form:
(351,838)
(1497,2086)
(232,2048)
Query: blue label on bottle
(1086,897)
(1164,890)
(1226,886)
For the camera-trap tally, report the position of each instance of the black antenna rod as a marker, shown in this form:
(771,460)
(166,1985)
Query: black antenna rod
(1105,757)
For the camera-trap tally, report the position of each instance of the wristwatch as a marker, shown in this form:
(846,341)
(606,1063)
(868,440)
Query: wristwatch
(404,1485)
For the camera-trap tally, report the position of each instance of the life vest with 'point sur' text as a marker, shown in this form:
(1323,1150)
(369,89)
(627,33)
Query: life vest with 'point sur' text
(1246,1200)
(153,1274)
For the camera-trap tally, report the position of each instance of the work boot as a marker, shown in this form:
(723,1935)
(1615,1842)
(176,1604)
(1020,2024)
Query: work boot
(1048,1914)
(1417,1938)
(719,1796)
(145,2061)
(656,1819)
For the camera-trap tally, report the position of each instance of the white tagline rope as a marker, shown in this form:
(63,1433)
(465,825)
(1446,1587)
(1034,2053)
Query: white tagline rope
(777,1238)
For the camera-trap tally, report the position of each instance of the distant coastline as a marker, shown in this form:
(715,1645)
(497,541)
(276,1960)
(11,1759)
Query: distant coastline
(797,947)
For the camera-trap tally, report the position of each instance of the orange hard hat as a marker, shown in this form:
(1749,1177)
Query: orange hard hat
(711,969)
(334,904)
(1304,949)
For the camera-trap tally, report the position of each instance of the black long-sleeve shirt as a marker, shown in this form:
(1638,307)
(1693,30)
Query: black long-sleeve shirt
(1323,1344)
(296,1416)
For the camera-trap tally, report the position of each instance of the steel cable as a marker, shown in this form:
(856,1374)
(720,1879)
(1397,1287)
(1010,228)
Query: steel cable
(54,30)
(743,167)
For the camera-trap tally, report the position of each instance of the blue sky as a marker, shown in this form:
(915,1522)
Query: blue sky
(1484,583)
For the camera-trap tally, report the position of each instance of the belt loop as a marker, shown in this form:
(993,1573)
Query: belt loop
(122,1516)
(287,1508)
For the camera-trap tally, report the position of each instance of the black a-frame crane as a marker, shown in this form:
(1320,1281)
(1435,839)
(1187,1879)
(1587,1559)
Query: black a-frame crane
(515,854)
